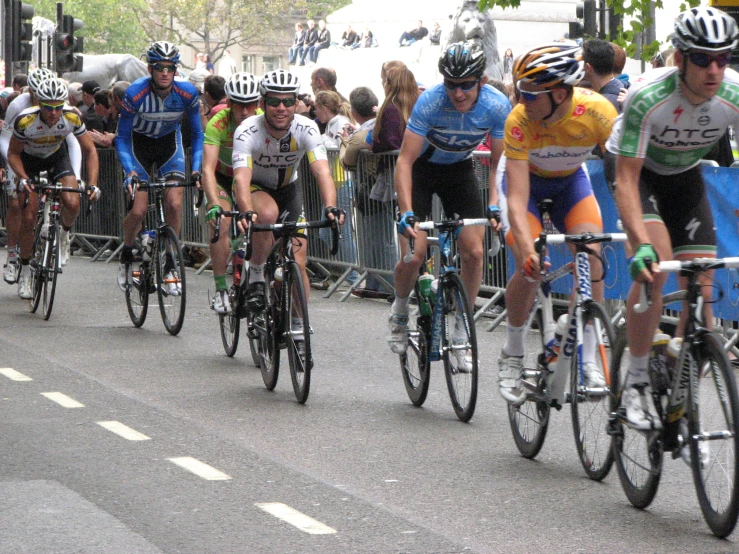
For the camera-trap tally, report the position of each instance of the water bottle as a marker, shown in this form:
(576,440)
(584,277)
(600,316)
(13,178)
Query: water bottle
(427,296)
(147,242)
(556,342)
(658,361)
(238,264)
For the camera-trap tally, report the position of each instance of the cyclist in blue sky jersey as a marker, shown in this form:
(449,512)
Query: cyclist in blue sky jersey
(447,124)
(149,133)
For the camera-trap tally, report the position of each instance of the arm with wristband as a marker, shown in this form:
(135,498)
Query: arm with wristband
(410,150)
(493,212)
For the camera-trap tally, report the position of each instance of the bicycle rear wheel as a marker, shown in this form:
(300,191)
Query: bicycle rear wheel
(590,406)
(714,436)
(230,324)
(171,289)
(137,294)
(459,346)
(50,270)
(530,420)
(36,267)
(638,454)
(298,351)
(265,324)
(415,364)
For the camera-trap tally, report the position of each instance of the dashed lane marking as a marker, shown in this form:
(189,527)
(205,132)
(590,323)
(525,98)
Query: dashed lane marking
(123,430)
(14,375)
(200,469)
(295,518)
(62,399)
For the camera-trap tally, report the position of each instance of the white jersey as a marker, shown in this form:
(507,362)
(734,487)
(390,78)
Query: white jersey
(19,104)
(41,140)
(660,125)
(274,162)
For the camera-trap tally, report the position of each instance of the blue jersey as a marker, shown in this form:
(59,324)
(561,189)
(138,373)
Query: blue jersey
(146,113)
(453,135)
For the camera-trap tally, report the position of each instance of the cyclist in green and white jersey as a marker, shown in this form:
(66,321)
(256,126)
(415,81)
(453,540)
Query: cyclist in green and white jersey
(671,118)
(242,91)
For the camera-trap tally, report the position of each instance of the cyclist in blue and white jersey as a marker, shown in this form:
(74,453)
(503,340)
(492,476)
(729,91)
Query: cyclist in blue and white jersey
(149,133)
(447,124)
(672,117)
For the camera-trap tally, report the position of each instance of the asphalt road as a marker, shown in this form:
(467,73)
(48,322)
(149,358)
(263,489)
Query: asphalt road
(207,460)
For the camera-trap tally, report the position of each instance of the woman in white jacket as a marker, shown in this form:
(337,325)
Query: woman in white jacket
(335,114)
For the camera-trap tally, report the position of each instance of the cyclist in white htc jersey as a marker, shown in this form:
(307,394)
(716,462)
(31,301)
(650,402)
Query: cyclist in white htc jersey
(267,150)
(11,270)
(671,118)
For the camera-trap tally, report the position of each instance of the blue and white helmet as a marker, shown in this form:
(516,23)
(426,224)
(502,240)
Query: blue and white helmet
(162,51)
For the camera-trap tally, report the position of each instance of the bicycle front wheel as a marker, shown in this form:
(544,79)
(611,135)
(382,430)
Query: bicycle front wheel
(50,270)
(137,294)
(265,326)
(171,289)
(36,267)
(230,324)
(638,454)
(297,338)
(589,402)
(415,364)
(459,345)
(714,436)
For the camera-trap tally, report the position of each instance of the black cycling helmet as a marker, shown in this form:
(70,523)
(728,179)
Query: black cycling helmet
(461,60)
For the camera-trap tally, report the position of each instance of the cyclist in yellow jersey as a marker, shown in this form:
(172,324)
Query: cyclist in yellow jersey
(548,136)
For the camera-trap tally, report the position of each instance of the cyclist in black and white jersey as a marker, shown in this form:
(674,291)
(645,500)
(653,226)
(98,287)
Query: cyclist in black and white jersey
(39,144)
(671,118)
(267,150)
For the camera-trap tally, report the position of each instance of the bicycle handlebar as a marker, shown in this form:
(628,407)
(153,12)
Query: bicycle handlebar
(138,184)
(447,225)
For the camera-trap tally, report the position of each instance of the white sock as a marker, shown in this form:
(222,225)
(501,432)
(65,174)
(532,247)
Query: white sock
(588,344)
(400,305)
(636,373)
(12,254)
(514,341)
(256,273)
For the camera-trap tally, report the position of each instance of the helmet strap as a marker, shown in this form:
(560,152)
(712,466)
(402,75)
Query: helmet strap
(553,105)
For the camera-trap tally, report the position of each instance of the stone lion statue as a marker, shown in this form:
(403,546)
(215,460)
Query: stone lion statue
(470,24)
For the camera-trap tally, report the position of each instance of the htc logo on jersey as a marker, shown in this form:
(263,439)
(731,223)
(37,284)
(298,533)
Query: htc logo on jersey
(276,160)
(671,136)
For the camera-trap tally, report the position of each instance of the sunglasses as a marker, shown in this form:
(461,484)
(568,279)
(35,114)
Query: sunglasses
(243,105)
(701,59)
(51,107)
(465,85)
(273,102)
(164,68)
(529,96)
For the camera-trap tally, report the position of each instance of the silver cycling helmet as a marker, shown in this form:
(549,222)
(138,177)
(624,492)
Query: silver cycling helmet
(279,81)
(242,87)
(52,90)
(705,28)
(38,76)
(162,51)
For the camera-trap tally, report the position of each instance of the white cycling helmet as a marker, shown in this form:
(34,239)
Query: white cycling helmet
(52,90)
(279,81)
(705,29)
(550,65)
(242,87)
(38,76)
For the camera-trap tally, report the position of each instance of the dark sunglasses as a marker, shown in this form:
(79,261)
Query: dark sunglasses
(273,102)
(51,107)
(701,59)
(164,68)
(465,85)
(244,104)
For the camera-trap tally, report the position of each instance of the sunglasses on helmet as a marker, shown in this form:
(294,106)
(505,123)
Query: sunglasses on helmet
(701,59)
(273,101)
(464,85)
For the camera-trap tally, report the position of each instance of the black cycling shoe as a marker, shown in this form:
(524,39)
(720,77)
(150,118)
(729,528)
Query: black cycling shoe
(255,297)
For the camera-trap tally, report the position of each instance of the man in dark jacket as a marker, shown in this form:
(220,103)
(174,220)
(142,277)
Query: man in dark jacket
(598,56)
(324,41)
(409,37)
(311,38)
(297,48)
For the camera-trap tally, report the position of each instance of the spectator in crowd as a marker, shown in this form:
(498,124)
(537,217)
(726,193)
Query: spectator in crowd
(409,37)
(508,66)
(305,106)
(197,78)
(209,67)
(619,62)
(297,48)
(435,34)
(75,97)
(20,80)
(91,119)
(599,56)
(226,65)
(102,110)
(333,114)
(363,104)
(199,60)
(311,38)
(214,96)
(115,97)
(323,42)
(367,40)
(348,37)
(324,78)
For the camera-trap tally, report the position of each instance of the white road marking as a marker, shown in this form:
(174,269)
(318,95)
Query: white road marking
(200,469)
(62,399)
(14,375)
(123,430)
(295,518)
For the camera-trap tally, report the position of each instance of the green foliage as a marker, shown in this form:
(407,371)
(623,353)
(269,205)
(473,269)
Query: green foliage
(318,8)
(634,12)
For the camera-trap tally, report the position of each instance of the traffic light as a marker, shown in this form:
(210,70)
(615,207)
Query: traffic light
(588,13)
(22,31)
(66,45)
(576,30)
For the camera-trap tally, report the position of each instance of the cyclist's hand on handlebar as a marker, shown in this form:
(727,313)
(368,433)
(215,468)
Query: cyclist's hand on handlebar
(493,215)
(335,214)
(94,194)
(213,212)
(638,268)
(245,219)
(25,185)
(407,225)
(197,179)
(533,269)
(128,182)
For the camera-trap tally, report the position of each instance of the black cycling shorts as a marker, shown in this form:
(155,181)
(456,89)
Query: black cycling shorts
(57,165)
(455,184)
(681,204)
(289,200)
